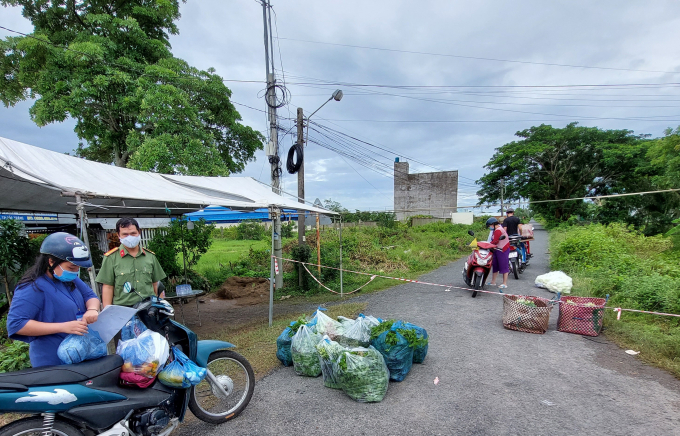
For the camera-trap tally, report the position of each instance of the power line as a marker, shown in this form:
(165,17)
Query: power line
(479,58)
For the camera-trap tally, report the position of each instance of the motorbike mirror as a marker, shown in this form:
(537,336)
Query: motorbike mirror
(502,237)
(471,233)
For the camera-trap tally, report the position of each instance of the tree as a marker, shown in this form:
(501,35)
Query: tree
(553,164)
(335,206)
(14,252)
(178,238)
(107,64)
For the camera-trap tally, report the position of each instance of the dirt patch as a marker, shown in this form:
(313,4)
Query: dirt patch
(246,291)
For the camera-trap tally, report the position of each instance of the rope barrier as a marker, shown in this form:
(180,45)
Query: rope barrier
(449,287)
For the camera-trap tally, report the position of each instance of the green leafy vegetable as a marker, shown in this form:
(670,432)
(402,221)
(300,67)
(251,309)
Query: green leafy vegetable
(296,325)
(525,302)
(304,353)
(363,374)
(329,352)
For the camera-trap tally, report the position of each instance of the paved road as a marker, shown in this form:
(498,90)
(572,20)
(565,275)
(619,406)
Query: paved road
(492,381)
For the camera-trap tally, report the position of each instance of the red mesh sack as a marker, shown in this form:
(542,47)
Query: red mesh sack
(132,380)
(526,318)
(581,315)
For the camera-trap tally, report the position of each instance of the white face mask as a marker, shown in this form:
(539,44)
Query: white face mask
(131,241)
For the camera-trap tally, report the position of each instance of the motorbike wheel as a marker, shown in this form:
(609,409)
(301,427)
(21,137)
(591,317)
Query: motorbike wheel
(515,268)
(34,426)
(476,284)
(236,376)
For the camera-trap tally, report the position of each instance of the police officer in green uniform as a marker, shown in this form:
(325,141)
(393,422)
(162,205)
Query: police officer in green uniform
(129,263)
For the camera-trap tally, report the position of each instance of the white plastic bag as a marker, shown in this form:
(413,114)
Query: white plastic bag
(358,334)
(304,352)
(555,281)
(324,324)
(145,355)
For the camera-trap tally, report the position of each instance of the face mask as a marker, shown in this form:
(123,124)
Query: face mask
(131,241)
(491,228)
(66,276)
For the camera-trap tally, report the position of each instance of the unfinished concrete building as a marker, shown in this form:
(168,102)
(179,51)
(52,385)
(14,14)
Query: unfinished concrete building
(434,194)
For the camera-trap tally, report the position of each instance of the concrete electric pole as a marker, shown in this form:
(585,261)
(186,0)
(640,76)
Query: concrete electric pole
(272,150)
(301,186)
(502,183)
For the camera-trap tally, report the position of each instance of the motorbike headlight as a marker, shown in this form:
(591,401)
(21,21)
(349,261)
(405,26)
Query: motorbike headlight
(482,262)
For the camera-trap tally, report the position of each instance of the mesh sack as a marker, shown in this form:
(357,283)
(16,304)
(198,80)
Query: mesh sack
(581,315)
(132,329)
(358,333)
(363,374)
(283,347)
(397,352)
(78,348)
(329,352)
(181,372)
(420,350)
(304,353)
(526,318)
(144,355)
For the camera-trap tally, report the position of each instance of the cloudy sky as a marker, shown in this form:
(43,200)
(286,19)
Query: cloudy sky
(450,81)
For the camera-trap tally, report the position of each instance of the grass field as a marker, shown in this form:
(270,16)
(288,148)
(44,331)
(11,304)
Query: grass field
(224,251)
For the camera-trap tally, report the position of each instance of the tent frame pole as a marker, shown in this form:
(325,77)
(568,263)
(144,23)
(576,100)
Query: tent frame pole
(341,293)
(82,216)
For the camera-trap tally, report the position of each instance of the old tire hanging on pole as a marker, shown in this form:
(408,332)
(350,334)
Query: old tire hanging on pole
(293,166)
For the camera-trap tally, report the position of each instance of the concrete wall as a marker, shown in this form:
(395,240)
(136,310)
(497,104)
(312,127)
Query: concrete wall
(422,221)
(433,194)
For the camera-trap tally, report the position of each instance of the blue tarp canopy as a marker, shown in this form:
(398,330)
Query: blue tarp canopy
(219,214)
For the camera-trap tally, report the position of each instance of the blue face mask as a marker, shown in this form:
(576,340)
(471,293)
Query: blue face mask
(66,276)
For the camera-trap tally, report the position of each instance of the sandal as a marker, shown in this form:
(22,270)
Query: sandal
(501,286)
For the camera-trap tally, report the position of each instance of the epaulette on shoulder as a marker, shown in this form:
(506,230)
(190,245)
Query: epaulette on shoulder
(111,251)
(149,251)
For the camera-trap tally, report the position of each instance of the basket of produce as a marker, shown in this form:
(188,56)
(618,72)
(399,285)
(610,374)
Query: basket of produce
(526,313)
(581,315)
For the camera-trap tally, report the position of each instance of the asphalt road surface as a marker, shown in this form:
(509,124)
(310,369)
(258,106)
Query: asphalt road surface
(492,381)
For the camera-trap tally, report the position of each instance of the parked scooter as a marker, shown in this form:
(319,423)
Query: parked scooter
(86,399)
(478,264)
(516,256)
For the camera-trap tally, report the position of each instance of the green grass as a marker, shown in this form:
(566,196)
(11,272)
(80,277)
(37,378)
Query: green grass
(224,251)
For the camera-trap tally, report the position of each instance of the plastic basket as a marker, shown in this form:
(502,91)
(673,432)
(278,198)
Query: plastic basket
(580,319)
(523,318)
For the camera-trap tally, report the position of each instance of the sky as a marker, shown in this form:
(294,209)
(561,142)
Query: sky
(450,81)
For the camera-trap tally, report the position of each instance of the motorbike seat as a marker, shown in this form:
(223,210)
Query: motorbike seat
(50,375)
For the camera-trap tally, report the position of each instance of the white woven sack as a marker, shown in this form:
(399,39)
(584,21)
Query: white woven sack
(555,281)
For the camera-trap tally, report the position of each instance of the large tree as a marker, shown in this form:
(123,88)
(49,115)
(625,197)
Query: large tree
(107,64)
(551,163)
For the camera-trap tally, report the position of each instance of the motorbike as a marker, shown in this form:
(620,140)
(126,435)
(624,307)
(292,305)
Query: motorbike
(516,264)
(85,399)
(478,265)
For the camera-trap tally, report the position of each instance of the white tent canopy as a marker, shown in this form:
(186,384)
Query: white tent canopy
(33,179)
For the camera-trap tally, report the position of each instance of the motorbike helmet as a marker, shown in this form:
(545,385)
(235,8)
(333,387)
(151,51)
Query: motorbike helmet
(491,221)
(67,247)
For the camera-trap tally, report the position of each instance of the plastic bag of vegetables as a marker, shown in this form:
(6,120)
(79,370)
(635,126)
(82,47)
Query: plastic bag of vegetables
(304,353)
(144,355)
(284,340)
(181,372)
(363,375)
(329,353)
(421,345)
(323,324)
(358,334)
(397,350)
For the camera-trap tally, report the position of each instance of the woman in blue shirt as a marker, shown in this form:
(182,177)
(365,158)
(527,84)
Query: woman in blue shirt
(50,302)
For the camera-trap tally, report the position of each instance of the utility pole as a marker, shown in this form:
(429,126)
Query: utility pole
(502,183)
(301,188)
(273,144)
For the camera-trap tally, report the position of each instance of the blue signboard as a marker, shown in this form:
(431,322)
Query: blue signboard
(30,217)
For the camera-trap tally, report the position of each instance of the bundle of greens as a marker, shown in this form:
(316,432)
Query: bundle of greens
(284,340)
(304,353)
(357,334)
(363,374)
(329,353)
(417,338)
(525,302)
(390,341)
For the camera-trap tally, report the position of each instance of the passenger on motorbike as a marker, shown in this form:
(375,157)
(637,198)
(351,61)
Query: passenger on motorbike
(501,261)
(512,224)
(50,301)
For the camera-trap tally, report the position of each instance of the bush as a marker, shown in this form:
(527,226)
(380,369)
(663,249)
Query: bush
(14,356)
(287,229)
(251,230)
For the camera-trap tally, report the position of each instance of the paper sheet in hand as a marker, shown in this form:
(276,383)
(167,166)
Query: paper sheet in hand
(111,320)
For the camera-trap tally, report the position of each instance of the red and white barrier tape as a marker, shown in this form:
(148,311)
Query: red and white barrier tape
(329,289)
(449,287)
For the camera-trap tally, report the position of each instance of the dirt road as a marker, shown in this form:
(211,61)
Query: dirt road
(492,381)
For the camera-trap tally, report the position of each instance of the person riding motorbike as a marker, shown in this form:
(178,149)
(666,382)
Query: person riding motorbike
(512,226)
(501,261)
(50,301)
